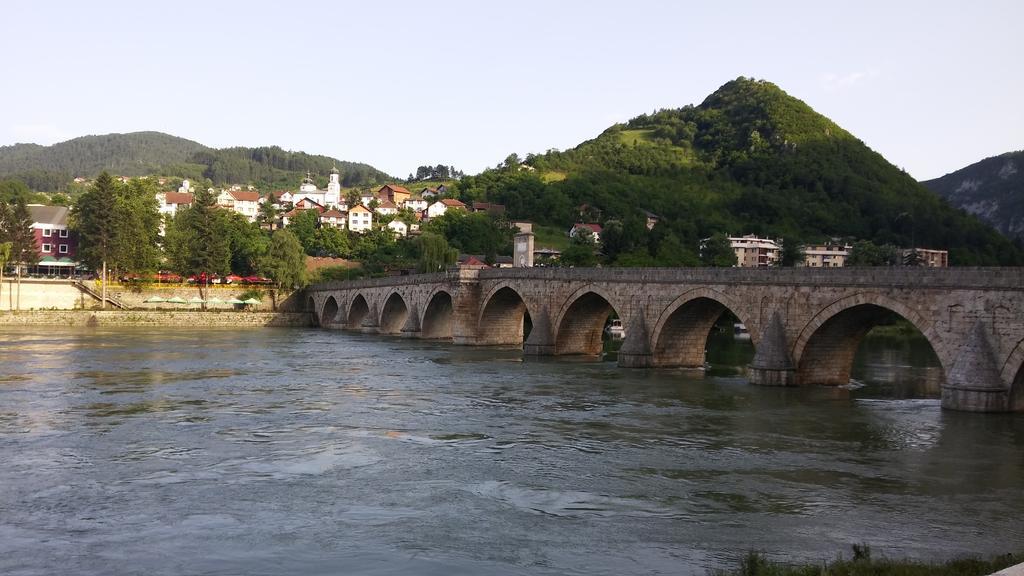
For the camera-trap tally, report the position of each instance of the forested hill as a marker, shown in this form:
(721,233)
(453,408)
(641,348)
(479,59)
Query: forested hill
(749,159)
(133,154)
(992,189)
(50,168)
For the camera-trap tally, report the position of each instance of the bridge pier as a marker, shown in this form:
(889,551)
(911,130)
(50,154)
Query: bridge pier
(541,341)
(636,349)
(771,365)
(412,327)
(973,384)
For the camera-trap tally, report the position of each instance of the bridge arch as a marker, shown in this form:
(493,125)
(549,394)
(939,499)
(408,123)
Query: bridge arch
(329,312)
(438,315)
(1013,372)
(394,314)
(358,310)
(825,348)
(503,318)
(681,334)
(581,320)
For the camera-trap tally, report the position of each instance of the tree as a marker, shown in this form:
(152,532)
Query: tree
(94,217)
(582,250)
(197,240)
(435,253)
(5,257)
(717,251)
(247,244)
(867,253)
(137,227)
(792,253)
(284,263)
(267,215)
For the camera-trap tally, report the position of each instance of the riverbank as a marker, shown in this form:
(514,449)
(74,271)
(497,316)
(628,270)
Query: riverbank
(755,564)
(169,318)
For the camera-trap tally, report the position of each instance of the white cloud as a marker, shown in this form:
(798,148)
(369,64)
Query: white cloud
(45,134)
(833,82)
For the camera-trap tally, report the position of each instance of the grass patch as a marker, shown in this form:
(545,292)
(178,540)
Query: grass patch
(862,564)
(628,137)
(550,237)
(553,176)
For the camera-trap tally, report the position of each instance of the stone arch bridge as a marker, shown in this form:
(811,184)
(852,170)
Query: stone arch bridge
(805,323)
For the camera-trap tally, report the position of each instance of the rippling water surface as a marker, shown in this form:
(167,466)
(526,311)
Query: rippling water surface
(315,452)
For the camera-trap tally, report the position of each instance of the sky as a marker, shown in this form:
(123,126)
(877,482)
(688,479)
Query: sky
(931,85)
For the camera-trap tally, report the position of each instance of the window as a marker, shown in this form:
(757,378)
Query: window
(45,248)
(64,233)
(62,249)
(47,232)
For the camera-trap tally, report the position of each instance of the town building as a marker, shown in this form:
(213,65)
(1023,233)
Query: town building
(393,193)
(415,204)
(399,228)
(595,229)
(334,218)
(360,219)
(244,202)
(754,252)
(489,208)
(651,219)
(168,203)
(441,206)
(927,257)
(386,207)
(326,198)
(828,255)
(56,242)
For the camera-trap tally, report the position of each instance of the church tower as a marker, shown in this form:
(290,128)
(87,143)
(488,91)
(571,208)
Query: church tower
(307,186)
(333,196)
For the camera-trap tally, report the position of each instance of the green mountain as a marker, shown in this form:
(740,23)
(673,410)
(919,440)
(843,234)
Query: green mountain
(133,154)
(50,168)
(992,189)
(749,159)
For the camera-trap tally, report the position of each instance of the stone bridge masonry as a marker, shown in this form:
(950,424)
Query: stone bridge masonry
(805,323)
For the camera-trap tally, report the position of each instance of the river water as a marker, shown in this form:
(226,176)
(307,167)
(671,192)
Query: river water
(277,451)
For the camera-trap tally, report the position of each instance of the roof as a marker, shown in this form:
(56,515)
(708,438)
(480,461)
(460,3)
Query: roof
(245,195)
(488,207)
(310,201)
(332,213)
(387,204)
(595,228)
(396,188)
(52,215)
(452,203)
(177,198)
(358,208)
(395,223)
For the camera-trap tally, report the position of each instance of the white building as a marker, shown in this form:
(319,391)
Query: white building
(329,197)
(416,204)
(387,208)
(754,252)
(360,219)
(398,227)
(441,206)
(826,255)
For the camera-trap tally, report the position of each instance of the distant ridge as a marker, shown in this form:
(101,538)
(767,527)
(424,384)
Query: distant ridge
(49,168)
(992,189)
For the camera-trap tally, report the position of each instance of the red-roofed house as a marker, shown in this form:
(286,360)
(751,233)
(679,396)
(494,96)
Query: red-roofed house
(386,207)
(595,228)
(334,218)
(393,192)
(441,206)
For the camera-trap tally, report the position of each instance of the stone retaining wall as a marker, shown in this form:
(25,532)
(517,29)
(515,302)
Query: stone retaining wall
(189,319)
